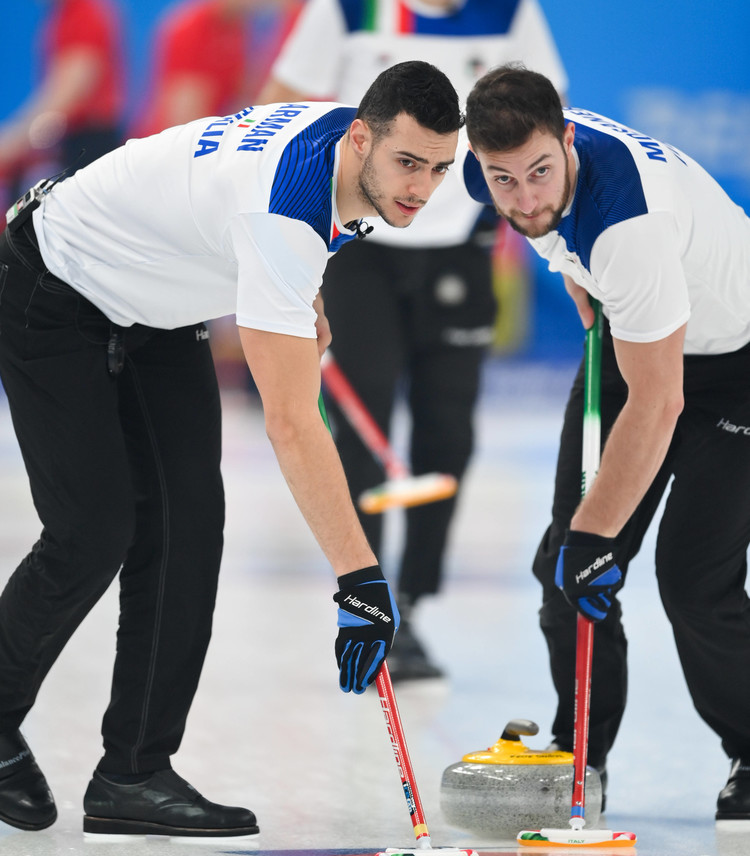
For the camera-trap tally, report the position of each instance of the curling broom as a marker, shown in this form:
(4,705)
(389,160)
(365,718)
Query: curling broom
(401,753)
(406,772)
(577,835)
(401,489)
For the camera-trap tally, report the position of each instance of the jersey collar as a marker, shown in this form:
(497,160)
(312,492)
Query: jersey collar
(337,227)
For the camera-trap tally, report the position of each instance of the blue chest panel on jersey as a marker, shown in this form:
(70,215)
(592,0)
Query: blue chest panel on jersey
(609,191)
(338,242)
(474,18)
(474,180)
(302,184)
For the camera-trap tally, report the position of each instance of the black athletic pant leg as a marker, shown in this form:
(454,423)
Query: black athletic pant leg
(557,617)
(454,313)
(171,419)
(701,554)
(424,315)
(109,489)
(64,409)
(443,391)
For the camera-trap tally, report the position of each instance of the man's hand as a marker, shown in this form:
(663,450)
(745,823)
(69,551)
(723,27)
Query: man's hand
(322,327)
(587,573)
(368,618)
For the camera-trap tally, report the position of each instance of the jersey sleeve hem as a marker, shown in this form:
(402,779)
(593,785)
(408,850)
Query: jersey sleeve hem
(275,327)
(651,335)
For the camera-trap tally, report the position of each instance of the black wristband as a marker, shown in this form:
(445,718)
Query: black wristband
(576,538)
(372,574)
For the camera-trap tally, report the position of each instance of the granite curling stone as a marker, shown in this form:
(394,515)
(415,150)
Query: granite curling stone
(508,787)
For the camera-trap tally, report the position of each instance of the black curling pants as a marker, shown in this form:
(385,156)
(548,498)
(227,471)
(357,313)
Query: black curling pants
(426,316)
(124,474)
(701,555)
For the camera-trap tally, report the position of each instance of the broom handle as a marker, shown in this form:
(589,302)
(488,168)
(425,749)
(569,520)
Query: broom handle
(401,752)
(360,419)
(393,722)
(591,454)
(584,652)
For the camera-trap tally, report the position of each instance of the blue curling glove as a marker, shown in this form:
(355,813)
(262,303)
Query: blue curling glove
(368,618)
(587,573)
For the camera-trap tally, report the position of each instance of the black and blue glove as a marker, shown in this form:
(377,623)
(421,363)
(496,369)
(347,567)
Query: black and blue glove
(587,573)
(369,619)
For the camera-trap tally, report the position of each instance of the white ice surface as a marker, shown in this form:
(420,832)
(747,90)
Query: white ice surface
(270,728)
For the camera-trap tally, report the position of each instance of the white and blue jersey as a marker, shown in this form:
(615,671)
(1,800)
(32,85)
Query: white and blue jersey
(232,215)
(652,236)
(364,37)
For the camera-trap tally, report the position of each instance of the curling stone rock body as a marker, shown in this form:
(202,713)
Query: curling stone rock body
(508,787)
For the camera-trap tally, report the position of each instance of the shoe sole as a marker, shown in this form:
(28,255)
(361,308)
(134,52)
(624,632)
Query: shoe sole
(27,827)
(733,826)
(106,828)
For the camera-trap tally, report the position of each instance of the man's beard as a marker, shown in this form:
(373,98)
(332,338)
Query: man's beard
(371,193)
(555,218)
(369,189)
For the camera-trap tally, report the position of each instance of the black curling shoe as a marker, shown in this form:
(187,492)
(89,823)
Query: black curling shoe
(26,801)
(734,798)
(165,804)
(407,659)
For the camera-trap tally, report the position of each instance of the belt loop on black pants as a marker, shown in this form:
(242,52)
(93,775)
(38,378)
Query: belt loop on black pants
(115,351)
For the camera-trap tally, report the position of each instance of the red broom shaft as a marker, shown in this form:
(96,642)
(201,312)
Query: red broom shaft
(361,420)
(400,750)
(584,655)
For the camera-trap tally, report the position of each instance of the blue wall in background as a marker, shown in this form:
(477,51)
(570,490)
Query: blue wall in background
(679,71)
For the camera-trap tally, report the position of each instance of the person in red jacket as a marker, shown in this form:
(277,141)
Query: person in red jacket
(74,115)
(210,58)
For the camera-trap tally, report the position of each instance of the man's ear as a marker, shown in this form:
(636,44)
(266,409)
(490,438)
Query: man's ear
(569,134)
(360,136)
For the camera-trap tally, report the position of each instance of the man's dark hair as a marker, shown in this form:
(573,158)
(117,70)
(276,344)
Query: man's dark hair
(416,88)
(507,105)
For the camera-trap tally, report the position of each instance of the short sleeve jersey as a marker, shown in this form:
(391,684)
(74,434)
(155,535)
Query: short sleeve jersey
(364,37)
(223,215)
(652,236)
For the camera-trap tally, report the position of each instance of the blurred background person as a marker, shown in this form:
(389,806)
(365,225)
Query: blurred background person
(75,113)
(210,57)
(414,305)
